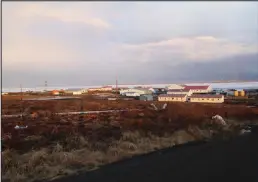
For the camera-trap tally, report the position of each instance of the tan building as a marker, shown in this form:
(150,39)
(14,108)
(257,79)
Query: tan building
(172,97)
(188,92)
(76,91)
(207,98)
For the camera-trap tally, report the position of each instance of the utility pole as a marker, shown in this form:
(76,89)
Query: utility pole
(21,106)
(21,92)
(45,86)
(116,85)
(81,114)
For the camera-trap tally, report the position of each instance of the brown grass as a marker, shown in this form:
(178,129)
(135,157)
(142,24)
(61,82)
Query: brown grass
(56,146)
(62,159)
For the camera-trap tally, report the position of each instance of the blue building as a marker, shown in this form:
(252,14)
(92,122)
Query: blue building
(146,97)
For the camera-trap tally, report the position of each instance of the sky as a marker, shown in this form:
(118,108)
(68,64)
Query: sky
(92,43)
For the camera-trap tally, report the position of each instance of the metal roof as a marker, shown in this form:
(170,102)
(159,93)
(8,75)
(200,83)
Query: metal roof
(172,95)
(201,87)
(74,89)
(206,96)
(179,90)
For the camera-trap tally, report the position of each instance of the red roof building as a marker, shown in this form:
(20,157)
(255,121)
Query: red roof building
(177,90)
(199,88)
(172,95)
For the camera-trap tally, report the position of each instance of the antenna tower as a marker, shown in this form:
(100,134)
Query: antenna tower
(21,91)
(45,85)
(116,85)
(21,106)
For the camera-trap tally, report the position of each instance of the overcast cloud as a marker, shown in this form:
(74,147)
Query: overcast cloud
(89,43)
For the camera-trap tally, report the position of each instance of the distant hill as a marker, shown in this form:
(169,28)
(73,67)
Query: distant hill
(235,68)
(243,67)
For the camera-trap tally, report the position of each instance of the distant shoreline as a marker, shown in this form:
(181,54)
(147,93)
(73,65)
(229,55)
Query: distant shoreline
(234,81)
(191,82)
(252,84)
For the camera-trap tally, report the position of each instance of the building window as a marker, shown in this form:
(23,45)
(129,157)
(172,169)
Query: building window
(218,99)
(202,99)
(208,99)
(212,99)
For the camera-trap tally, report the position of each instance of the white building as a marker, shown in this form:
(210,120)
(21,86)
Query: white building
(174,87)
(132,94)
(102,89)
(140,91)
(158,90)
(207,98)
(187,92)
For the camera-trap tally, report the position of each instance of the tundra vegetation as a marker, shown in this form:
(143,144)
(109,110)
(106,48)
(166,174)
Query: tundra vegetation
(53,146)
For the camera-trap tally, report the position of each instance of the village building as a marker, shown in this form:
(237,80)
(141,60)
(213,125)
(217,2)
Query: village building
(93,89)
(199,89)
(76,91)
(172,97)
(146,97)
(158,91)
(207,98)
(219,92)
(121,88)
(101,89)
(251,92)
(106,88)
(132,94)
(188,92)
(175,86)
(139,91)
(55,92)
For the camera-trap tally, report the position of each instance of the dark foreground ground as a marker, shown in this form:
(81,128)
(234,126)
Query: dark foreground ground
(232,160)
